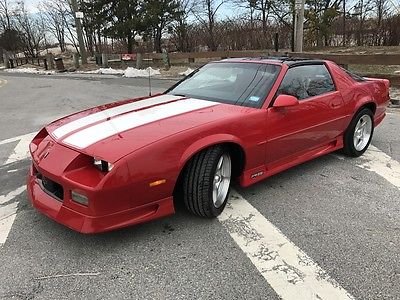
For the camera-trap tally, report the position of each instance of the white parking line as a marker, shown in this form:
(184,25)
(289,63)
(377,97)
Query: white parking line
(7,218)
(11,195)
(9,212)
(21,151)
(3,82)
(17,138)
(377,161)
(287,269)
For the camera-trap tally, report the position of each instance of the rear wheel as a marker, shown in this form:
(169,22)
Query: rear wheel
(206,182)
(359,133)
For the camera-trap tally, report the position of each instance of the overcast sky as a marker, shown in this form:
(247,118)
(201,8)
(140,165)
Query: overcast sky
(31,5)
(225,10)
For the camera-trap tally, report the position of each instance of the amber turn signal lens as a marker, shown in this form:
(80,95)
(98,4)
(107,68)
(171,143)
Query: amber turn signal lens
(158,182)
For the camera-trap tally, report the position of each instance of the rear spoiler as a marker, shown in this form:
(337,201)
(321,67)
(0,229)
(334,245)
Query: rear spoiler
(385,81)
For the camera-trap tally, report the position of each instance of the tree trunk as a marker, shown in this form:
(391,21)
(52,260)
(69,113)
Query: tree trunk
(99,46)
(264,22)
(157,40)
(130,43)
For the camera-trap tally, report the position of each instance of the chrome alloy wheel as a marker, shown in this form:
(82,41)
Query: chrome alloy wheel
(362,132)
(222,180)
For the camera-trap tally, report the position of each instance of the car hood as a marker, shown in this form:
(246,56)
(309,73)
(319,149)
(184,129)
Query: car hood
(113,131)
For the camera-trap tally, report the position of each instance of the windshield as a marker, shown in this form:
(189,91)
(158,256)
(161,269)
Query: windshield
(246,84)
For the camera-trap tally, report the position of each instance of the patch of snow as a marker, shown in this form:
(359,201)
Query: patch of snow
(111,71)
(133,72)
(130,72)
(23,70)
(397,72)
(30,71)
(2,67)
(104,71)
(187,72)
(46,72)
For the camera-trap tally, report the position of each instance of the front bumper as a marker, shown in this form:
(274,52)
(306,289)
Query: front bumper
(61,211)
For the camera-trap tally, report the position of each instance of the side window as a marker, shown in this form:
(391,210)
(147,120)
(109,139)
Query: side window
(354,76)
(307,81)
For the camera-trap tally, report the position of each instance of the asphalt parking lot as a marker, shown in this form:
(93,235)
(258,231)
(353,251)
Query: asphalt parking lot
(342,214)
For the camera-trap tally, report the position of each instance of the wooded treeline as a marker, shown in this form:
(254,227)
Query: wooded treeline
(195,25)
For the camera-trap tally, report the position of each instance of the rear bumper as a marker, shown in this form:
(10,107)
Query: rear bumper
(58,211)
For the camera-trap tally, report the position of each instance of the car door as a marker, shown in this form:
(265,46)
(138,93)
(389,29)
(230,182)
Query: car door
(316,122)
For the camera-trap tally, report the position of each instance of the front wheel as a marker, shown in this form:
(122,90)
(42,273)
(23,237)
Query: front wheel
(359,133)
(206,182)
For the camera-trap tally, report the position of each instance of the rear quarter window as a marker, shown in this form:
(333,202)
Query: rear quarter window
(354,76)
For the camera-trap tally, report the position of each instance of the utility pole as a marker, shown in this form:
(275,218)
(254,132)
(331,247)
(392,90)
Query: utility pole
(299,25)
(78,16)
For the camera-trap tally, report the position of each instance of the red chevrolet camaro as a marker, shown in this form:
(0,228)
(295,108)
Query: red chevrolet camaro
(247,119)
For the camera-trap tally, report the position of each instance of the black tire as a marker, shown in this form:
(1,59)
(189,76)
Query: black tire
(198,180)
(349,149)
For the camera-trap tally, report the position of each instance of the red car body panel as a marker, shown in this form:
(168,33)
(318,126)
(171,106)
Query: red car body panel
(157,150)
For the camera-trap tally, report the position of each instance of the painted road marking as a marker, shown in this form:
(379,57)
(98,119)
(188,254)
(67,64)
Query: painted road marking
(11,195)
(7,218)
(17,138)
(3,82)
(377,161)
(287,269)
(21,150)
(8,212)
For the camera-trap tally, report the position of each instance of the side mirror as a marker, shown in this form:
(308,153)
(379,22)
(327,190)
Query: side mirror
(285,101)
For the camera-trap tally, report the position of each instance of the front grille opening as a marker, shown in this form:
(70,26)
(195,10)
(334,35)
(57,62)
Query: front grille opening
(50,187)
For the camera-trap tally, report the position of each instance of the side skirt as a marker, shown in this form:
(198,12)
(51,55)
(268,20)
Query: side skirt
(260,173)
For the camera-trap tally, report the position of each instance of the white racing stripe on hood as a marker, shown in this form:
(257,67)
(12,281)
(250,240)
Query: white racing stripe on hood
(111,112)
(101,131)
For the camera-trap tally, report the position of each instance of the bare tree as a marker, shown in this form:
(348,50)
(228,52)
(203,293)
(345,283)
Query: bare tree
(250,13)
(362,10)
(54,16)
(6,8)
(31,30)
(69,22)
(205,12)
(181,25)
(264,8)
(381,11)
